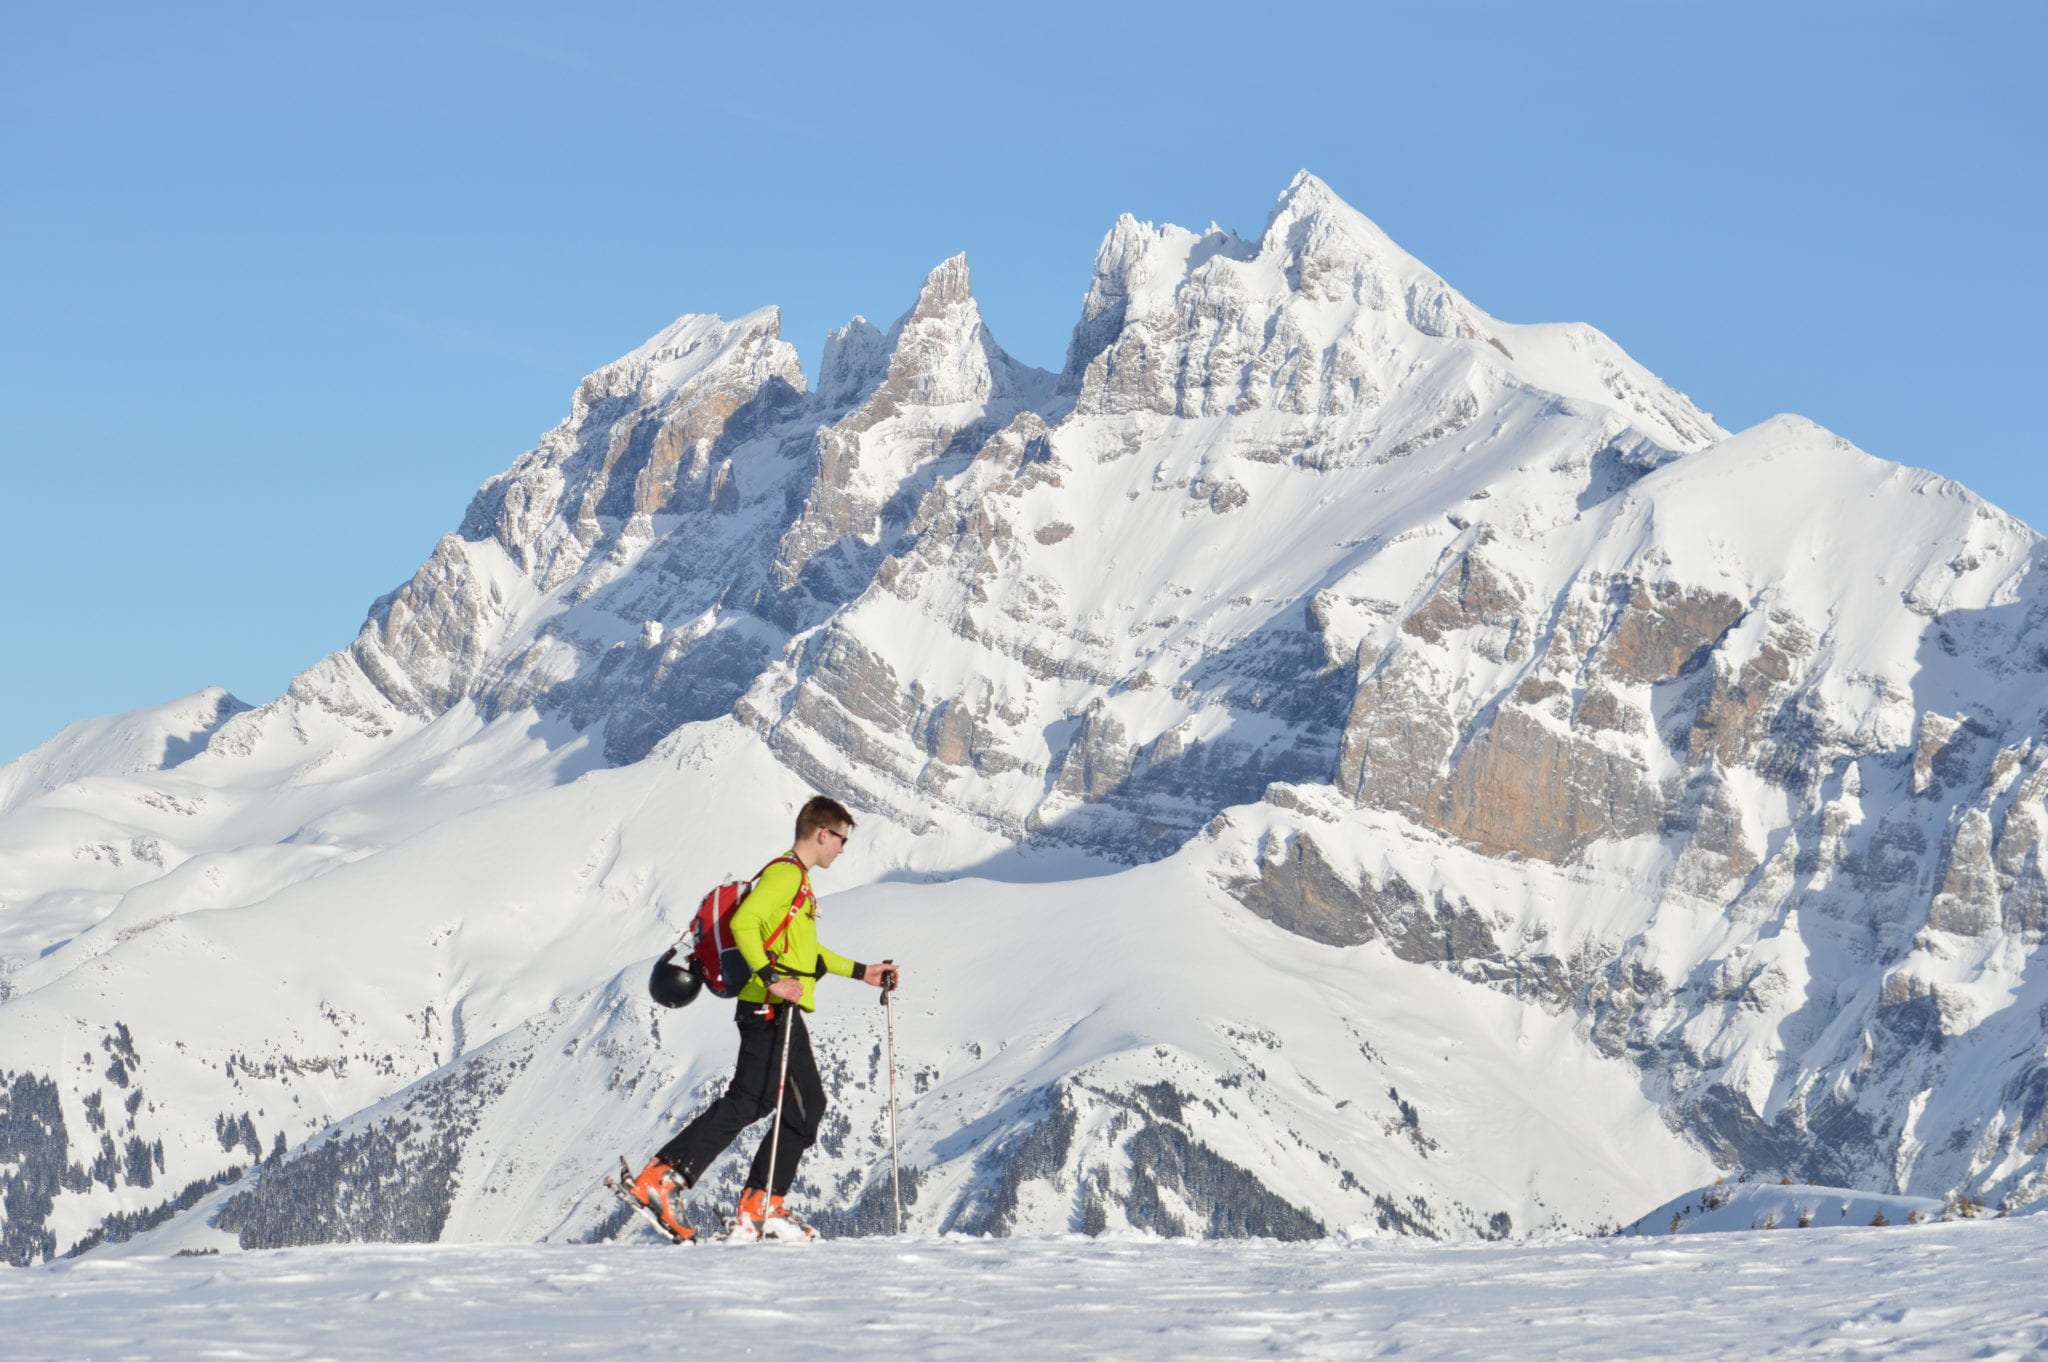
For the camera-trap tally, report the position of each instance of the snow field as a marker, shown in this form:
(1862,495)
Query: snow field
(1963,1290)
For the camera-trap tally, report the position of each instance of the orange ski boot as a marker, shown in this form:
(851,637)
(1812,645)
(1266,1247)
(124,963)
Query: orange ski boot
(659,1189)
(752,1214)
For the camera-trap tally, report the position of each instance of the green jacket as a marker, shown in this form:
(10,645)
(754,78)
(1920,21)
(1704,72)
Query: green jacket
(783,885)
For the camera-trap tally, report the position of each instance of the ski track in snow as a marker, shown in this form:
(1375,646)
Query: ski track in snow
(1956,1290)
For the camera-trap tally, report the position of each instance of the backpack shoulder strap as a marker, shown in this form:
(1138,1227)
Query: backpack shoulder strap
(796,904)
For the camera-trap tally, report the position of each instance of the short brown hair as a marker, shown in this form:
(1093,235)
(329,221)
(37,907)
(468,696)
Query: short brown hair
(821,812)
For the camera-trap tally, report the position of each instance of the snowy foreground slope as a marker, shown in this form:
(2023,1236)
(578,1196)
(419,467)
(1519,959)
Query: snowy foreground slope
(1969,1290)
(1327,758)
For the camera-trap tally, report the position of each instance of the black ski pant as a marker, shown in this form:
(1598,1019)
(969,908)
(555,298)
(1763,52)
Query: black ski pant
(751,1095)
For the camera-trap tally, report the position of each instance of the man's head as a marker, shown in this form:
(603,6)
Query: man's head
(822,827)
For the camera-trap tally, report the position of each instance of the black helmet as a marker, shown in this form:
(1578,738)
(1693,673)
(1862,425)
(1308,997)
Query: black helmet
(671,984)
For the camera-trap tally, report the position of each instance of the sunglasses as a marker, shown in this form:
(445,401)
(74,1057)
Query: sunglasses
(834,832)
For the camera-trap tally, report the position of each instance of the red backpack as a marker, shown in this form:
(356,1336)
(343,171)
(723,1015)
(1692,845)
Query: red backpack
(711,959)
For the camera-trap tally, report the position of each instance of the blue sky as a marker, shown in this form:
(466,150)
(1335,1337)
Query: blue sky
(284,284)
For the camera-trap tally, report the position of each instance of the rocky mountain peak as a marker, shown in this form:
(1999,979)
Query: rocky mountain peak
(856,357)
(948,285)
(645,434)
(1139,268)
(1192,324)
(1330,251)
(937,354)
(941,353)
(1307,200)
(936,383)
(689,348)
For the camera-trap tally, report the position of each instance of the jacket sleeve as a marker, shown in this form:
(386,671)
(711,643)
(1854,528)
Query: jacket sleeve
(835,962)
(763,910)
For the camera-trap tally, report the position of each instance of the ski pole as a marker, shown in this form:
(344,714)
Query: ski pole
(895,1172)
(781,1082)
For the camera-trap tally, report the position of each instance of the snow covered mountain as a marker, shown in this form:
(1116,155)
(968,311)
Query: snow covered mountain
(1327,757)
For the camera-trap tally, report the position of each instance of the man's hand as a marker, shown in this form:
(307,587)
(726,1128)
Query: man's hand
(789,990)
(882,975)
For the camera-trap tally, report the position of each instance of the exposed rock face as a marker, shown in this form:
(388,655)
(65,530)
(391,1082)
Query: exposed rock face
(1519,787)
(1663,630)
(1304,894)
